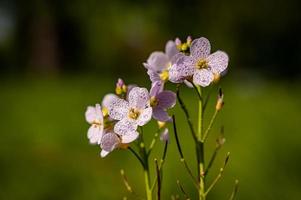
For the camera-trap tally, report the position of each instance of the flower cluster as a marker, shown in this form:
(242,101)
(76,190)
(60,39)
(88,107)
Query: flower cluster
(114,124)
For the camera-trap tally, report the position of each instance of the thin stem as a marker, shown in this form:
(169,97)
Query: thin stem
(200,144)
(147,185)
(136,155)
(210,125)
(181,153)
(212,159)
(158,180)
(183,107)
(218,177)
(182,190)
(126,182)
(153,142)
(235,190)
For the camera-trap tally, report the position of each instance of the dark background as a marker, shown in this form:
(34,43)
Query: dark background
(57,57)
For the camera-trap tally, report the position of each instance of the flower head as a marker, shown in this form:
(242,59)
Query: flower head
(131,114)
(160,101)
(201,66)
(95,118)
(158,63)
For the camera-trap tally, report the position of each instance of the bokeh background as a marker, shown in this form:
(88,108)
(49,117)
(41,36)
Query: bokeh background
(58,57)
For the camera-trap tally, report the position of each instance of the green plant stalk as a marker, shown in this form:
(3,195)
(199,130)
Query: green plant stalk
(200,144)
(147,184)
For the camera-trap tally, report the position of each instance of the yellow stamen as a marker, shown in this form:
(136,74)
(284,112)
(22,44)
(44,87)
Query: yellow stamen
(161,124)
(104,111)
(133,113)
(202,64)
(164,75)
(153,101)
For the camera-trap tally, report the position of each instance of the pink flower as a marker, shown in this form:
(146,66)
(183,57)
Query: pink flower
(95,118)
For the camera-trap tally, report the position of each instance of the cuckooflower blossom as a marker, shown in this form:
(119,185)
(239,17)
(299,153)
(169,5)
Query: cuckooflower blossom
(94,117)
(131,114)
(201,66)
(109,142)
(158,63)
(160,101)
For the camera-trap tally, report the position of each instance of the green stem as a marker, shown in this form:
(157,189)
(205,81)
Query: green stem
(201,159)
(147,185)
(210,125)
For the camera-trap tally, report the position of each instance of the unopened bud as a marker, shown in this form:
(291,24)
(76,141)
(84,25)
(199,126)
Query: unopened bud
(178,42)
(220,100)
(164,135)
(216,77)
(121,88)
(189,40)
(161,124)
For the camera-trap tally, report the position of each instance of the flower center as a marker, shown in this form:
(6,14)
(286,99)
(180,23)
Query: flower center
(164,75)
(202,64)
(153,101)
(134,113)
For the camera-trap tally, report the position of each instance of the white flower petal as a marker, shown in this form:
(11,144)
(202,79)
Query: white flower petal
(94,114)
(218,61)
(138,98)
(200,48)
(125,127)
(108,99)
(118,109)
(104,153)
(109,141)
(157,61)
(95,133)
(171,49)
(203,77)
(129,137)
(144,116)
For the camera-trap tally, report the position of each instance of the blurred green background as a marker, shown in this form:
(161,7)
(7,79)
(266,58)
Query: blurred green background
(58,57)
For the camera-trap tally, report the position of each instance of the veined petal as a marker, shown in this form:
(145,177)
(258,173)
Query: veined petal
(161,115)
(138,98)
(109,141)
(171,49)
(200,48)
(157,87)
(108,99)
(95,133)
(125,127)
(157,61)
(118,109)
(166,99)
(129,137)
(218,61)
(153,75)
(203,77)
(94,114)
(175,58)
(145,116)
(182,69)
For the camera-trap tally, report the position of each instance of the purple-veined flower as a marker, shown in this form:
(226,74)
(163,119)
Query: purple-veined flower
(160,101)
(158,63)
(201,66)
(94,117)
(131,114)
(109,142)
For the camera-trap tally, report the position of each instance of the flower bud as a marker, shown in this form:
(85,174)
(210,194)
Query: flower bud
(220,100)
(164,135)
(161,124)
(189,40)
(121,88)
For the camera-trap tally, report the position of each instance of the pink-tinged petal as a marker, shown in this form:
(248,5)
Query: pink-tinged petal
(109,141)
(138,98)
(200,48)
(125,127)
(171,49)
(183,69)
(218,61)
(157,87)
(130,87)
(95,133)
(166,99)
(145,116)
(164,135)
(104,153)
(175,58)
(118,109)
(94,114)
(153,75)
(161,115)
(203,77)
(129,137)
(108,99)
(157,61)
